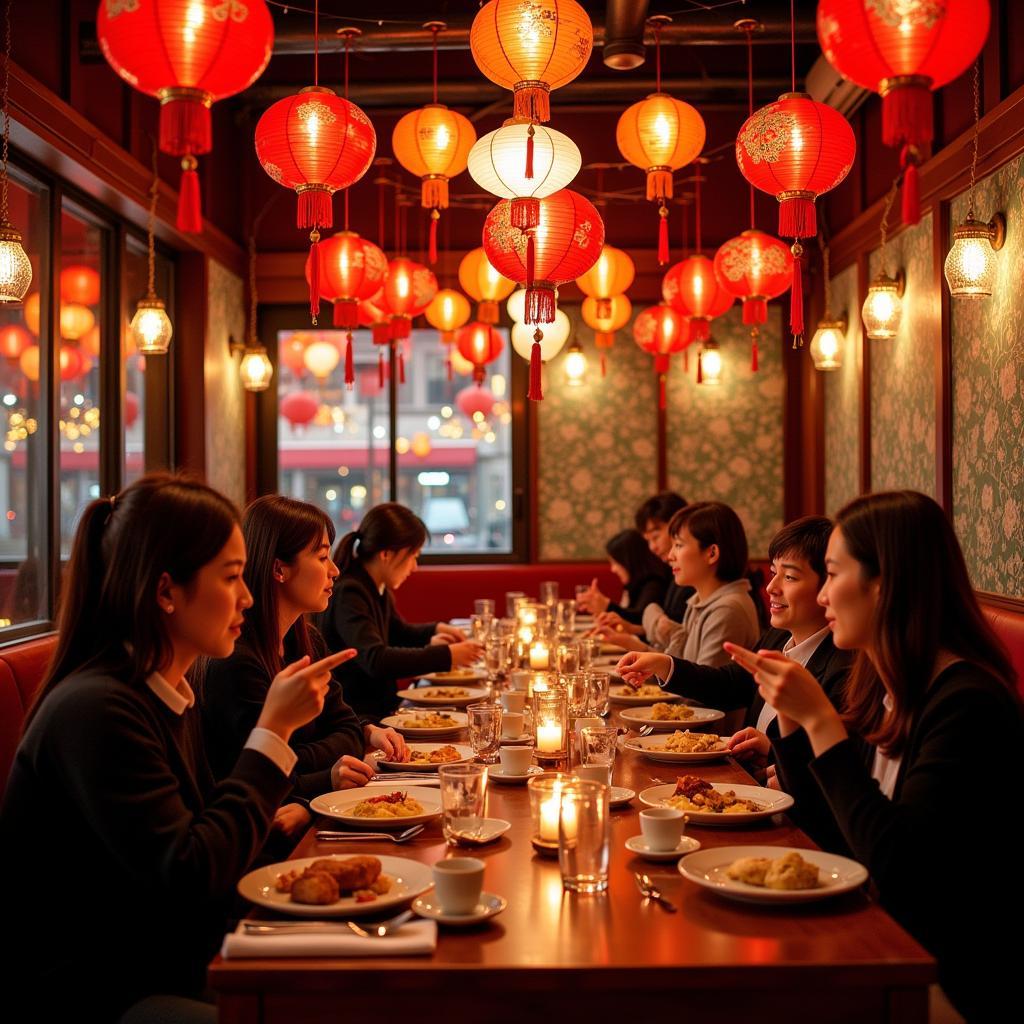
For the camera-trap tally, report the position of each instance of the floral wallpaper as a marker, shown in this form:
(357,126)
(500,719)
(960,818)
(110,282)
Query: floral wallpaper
(597,447)
(725,442)
(903,371)
(225,397)
(988,400)
(842,399)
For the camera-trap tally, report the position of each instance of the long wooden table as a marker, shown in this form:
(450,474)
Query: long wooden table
(557,956)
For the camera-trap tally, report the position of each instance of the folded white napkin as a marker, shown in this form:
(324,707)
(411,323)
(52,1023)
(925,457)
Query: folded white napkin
(413,938)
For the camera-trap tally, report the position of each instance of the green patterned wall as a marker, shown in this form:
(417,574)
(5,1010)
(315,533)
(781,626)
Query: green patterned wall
(903,372)
(988,400)
(725,442)
(842,399)
(597,448)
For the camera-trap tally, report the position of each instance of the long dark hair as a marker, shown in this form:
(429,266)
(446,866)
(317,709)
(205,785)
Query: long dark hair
(714,522)
(926,604)
(386,527)
(630,550)
(277,528)
(108,614)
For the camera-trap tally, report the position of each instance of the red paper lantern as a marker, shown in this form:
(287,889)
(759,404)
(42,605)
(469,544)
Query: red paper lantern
(80,284)
(372,314)
(903,51)
(315,143)
(661,331)
(188,54)
(480,344)
(408,289)
(692,289)
(131,409)
(351,269)
(14,339)
(754,267)
(473,400)
(72,363)
(299,408)
(292,353)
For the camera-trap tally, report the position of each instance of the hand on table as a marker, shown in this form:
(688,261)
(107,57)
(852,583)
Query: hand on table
(635,667)
(465,652)
(447,629)
(749,745)
(627,640)
(291,820)
(350,773)
(296,696)
(592,600)
(389,741)
(441,640)
(613,620)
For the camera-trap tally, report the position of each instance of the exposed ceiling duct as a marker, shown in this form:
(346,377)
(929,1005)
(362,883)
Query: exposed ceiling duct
(624,23)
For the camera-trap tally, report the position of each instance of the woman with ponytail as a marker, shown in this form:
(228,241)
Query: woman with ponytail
(113,748)
(290,575)
(376,560)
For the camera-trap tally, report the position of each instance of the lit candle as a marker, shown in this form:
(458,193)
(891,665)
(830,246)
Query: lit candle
(527,616)
(549,737)
(525,635)
(539,655)
(549,816)
(569,825)
(538,684)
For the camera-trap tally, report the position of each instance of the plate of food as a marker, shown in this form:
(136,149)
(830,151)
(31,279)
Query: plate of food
(680,746)
(647,693)
(717,803)
(372,810)
(419,724)
(452,696)
(456,676)
(666,716)
(772,874)
(427,757)
(336,886)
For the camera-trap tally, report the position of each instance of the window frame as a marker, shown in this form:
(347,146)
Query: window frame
(272,318)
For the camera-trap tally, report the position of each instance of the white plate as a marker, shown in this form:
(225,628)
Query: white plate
(642,716)
(428,695)
(339,804)
(490,830)
(466,754)
(489,906)
(495,774)
(836,874)
(620,796)
(772,800)
(638,845)
(457,677)
(643,744)
(410,879)
(625,695)
(397,722)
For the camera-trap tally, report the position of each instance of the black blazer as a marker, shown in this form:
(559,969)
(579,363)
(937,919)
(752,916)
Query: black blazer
(389,648)
(154,849)
(927,877)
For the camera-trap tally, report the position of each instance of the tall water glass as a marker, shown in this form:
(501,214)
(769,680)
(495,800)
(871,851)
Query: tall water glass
(483,606)
(576,691)
(598,687)
(511,596)
(583,836)
(480,627)
(463,800)
(549,593)
(505,627)
(567,656)
(565,616)
(597,747)
(485,730)
(589,648)
(497,656)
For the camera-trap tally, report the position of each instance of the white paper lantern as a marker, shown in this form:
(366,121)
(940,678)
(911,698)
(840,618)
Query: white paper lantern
(497,162)
(555,336)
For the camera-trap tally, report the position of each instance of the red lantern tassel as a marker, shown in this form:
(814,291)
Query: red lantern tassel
(346,314)
(797,216)
(661,391)
(190,204)
(524,213)
(529,154)
(432,251)
(796,297)
(540,304)
(314,209)
(401,327)
(700,368)
(907,112)
(911,198)
(448,367)
(604,366)
(753,352)
(314,274)
(530,260)
(535,393)
(380,368)
(532,101)
(755,310)
(663,254)
(185,123)
(401,366)
(700,329)
(487,312)
(350,366)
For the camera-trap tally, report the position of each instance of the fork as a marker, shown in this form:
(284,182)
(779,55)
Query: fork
(380,931)
(646,730)
(651,892)
(329,836)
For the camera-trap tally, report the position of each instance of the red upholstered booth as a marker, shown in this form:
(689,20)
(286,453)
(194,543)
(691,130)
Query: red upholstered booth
(21,671)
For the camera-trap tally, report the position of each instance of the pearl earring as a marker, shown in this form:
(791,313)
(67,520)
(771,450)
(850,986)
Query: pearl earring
(169,609)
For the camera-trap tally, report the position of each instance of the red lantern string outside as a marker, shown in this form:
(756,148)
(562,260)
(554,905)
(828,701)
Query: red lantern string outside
(473,400)
(299,408)
(903,52)
(480,344)
(372,314)
(662,331)
(565,244)
(408,289)
(188,56)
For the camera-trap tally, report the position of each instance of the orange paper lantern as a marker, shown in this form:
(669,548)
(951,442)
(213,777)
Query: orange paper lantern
(611,275)
(79,283)
(619,310)
(482,283)
(14,339)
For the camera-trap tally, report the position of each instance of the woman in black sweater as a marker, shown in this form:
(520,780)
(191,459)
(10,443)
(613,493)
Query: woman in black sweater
(290,575)
(112,747)
(376,560)
(932,691)
(644,577)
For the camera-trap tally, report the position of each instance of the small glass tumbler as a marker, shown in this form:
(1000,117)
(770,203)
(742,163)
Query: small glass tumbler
(463,801)
(598,688)
(598,747)
(567,656)
(505,627)
(484,721)
(497,657)
(589,649)
(545,793)
(549,593)
(483,606)
(480,627)
(511,596)
(577,692)
(550,724)
(584,832)
(565,616)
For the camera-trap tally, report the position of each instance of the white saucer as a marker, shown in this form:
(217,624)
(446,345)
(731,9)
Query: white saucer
(489,906)
(638,845)
(620,796)
(495,774)
(490,829)
(523,737)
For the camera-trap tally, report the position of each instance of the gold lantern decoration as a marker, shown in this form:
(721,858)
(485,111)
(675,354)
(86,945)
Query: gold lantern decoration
(826,346)
(883,307)
(151,328)
(15,267)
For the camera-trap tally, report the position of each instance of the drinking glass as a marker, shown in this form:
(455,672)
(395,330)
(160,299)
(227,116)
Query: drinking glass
(583,836)
(511,596)
(497,654)
(598,685)
(550,724)
(549,592)
(505,627)
(463,796)
(567,656)
(484,720)
(480,627)
(598,746)
(484,606)
(577,692)
(565,616)
(589,648)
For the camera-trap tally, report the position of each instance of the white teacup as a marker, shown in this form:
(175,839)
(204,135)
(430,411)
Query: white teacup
(662,827)
(458,882)
(515,760)
(520,682)
(511,725)
(514,701)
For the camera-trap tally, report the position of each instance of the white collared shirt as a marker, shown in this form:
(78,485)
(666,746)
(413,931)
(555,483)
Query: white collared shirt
(802,653)
(181,697)
(885,769)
